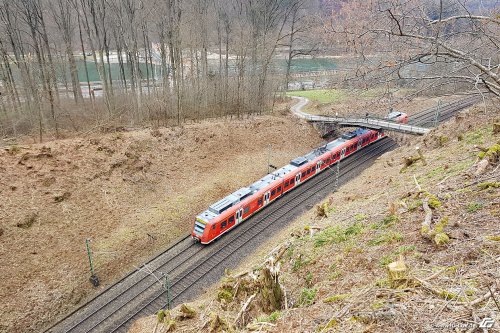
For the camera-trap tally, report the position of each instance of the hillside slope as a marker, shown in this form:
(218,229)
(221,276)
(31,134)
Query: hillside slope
(131,193)
(333,263)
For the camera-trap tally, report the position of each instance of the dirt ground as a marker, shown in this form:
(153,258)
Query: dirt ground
(334,271)
(131,193)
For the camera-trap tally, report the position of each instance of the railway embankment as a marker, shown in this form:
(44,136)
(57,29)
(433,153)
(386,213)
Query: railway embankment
(131,192)
(411,244)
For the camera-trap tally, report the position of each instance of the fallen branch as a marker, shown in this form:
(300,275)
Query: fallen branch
(243,311)
(419,188)
(480,299)
(426,230)
(435,274)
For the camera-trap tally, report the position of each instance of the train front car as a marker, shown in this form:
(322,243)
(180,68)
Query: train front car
(399,117)
(201,226)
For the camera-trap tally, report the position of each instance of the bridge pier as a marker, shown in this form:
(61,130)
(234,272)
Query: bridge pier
(327,129)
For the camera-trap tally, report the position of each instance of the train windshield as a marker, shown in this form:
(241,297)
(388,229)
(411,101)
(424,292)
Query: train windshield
(199,228)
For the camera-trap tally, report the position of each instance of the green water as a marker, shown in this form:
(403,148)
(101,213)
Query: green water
(115,71)
(278,65)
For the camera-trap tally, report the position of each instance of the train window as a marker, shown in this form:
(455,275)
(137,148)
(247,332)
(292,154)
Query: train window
(223,225)
(213,226)
(287,183)
(303,174)
(279,189)
(308,171)
(292,181)
(273,192)
(246,210)
(231,219)
(259,202)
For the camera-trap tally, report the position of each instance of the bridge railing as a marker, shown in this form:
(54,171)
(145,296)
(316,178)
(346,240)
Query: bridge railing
(368,122)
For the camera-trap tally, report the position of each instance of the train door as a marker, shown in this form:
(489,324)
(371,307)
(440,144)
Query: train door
(239,215)
(266,198)
(318,167)
(342,153)
(360,143)
(297,179)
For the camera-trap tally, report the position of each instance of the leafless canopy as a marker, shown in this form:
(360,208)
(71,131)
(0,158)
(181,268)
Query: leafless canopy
(447,44)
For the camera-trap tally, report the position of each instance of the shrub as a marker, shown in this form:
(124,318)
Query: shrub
(474,207)
(307,296)
(309,278)
(360,217)
(336,298)
(272,318)
(299,263)
(386,238)
(335,235)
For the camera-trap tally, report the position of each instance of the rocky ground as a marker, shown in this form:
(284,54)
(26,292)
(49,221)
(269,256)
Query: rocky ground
(363,261)
(130,192)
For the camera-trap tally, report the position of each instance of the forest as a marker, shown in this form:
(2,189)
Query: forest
(42,42)
(164,62)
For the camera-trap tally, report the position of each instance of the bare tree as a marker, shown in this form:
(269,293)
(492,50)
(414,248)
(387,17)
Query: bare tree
(416,42)
(62,12)
(181,37)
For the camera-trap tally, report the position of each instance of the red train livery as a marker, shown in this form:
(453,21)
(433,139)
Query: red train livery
(399,117)
(227,213)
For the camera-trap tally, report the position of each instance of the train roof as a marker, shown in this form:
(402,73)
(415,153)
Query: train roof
(301,160)
(232,199)
(394,114)
(206,215)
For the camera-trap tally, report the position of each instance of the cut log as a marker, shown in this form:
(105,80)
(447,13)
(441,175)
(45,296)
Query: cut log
(482,166)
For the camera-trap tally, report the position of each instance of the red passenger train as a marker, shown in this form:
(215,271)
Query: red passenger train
(225,214)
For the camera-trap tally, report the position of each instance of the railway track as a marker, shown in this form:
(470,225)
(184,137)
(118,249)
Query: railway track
(191,266)
(429,117)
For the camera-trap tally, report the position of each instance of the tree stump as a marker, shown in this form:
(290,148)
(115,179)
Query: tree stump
(496,128)
(271,292)
(397,272)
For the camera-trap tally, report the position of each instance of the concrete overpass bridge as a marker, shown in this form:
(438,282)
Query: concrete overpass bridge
(357,121)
